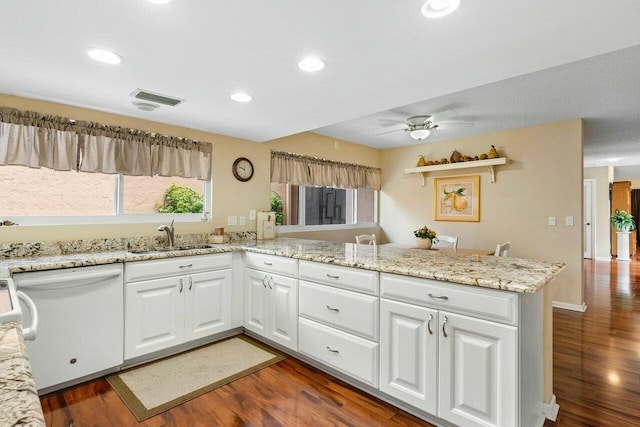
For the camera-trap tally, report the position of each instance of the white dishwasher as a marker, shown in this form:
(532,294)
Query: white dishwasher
(81,322)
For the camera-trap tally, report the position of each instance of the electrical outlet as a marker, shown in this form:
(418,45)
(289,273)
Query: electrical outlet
(252,215)
(336,145)
(243,220)
(569,220)
(552,220)
(232,220)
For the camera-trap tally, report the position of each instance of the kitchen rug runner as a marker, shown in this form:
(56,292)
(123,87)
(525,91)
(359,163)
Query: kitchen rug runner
(157,386)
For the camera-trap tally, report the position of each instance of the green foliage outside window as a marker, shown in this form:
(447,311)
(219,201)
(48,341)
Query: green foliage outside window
(180,199)
(276,206)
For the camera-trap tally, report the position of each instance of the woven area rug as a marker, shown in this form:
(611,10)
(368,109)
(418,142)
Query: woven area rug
(150,389)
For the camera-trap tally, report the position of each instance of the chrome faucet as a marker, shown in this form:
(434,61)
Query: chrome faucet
(169,230)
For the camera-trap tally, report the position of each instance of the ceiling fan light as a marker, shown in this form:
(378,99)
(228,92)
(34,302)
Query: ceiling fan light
(419,134)
(439,8)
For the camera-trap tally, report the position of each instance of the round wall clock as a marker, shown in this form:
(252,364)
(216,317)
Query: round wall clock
(242,169)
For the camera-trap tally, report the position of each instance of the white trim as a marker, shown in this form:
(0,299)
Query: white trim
(551,409)
(592,214)
(603,258)
(283,229)
(567,306)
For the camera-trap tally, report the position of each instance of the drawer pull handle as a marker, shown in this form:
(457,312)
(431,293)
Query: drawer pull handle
(429,324)
(332,350)
(332,277)
(332,308)
(442,297)
(264,281)
(269,282)
(268,263)
(444,331)
(181,285)
(186,266)
(190,283)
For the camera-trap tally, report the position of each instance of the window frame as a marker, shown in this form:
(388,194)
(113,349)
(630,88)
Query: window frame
(328,227)
(118,217)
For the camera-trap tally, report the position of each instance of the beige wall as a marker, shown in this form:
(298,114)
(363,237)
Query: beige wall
(602,230)
(635,183)
(543,179)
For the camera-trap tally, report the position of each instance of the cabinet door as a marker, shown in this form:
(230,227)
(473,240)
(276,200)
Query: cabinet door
(408,353)
(478,372)
(154,315)
(283,310)
(256,303)
(208,303)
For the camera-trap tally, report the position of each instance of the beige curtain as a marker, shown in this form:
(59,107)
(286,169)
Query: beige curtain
(290,168)
(35,140)
(32,139)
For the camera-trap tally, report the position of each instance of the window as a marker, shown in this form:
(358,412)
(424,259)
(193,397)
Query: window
(44,196)
(322,206)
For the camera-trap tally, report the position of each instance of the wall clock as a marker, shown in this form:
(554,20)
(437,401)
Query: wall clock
(242,169)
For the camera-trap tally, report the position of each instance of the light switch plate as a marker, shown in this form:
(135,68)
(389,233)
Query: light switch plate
(569,220)
(243,220)
(232,220)
(252,215)
(552,220)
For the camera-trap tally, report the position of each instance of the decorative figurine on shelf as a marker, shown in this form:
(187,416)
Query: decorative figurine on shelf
(425,237)
(421,161)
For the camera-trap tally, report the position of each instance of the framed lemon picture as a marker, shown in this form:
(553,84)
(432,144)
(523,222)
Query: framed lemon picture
(457,198)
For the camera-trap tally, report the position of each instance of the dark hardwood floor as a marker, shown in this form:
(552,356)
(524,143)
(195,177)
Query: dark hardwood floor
(596,378)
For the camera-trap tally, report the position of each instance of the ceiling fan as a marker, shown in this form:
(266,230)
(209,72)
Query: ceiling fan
(420,126)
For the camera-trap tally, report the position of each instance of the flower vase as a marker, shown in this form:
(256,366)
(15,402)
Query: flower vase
(423,243)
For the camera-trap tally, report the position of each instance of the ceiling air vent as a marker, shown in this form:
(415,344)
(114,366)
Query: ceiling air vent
(156,97)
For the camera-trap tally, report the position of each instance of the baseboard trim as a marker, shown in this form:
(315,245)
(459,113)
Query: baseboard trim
(551,409)
(603,258)
(566,306)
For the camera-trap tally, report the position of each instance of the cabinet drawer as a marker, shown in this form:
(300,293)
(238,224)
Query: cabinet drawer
(342,277)
(350,311)
(272,263)
(145,270)
(483,303)
(347,353)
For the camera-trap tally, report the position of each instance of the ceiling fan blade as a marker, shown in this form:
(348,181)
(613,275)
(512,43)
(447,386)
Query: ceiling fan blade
(443,115)
(455,124)
(390,131)
(390,122)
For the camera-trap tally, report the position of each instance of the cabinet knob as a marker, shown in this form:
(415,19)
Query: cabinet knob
(73,361)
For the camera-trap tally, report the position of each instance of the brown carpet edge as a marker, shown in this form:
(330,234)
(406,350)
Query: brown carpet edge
(142,413)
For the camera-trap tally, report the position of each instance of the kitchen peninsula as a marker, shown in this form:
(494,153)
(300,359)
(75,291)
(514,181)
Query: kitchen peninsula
(353,306)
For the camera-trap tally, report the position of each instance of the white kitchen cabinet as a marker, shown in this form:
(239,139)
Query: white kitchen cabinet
(271,308)
(409,353)
(477,372)
(164,312)
(455,363)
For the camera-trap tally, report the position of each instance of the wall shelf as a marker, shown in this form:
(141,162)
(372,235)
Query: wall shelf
(489,163)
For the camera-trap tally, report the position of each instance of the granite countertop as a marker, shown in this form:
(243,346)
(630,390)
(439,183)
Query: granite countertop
(503,273)
(18,395)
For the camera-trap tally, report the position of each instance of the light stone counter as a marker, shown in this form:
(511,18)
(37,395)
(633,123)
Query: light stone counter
(19,402)
(503,273)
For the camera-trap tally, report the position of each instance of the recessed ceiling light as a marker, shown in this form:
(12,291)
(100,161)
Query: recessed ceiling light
(145,106)
(241,97)
(158,1)
(311,64)
(105,56)
(439,8)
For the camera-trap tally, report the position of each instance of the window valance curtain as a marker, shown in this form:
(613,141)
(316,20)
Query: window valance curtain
(290,168)
(35,140)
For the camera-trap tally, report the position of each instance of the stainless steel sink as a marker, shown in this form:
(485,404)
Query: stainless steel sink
(167,249)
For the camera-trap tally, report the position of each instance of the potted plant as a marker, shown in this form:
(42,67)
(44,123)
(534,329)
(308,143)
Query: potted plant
(425,237)
(622,221)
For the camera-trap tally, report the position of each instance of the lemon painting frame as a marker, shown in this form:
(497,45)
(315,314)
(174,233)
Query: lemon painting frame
(457,198)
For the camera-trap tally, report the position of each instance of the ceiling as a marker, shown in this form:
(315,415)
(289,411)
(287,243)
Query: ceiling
(500,64)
